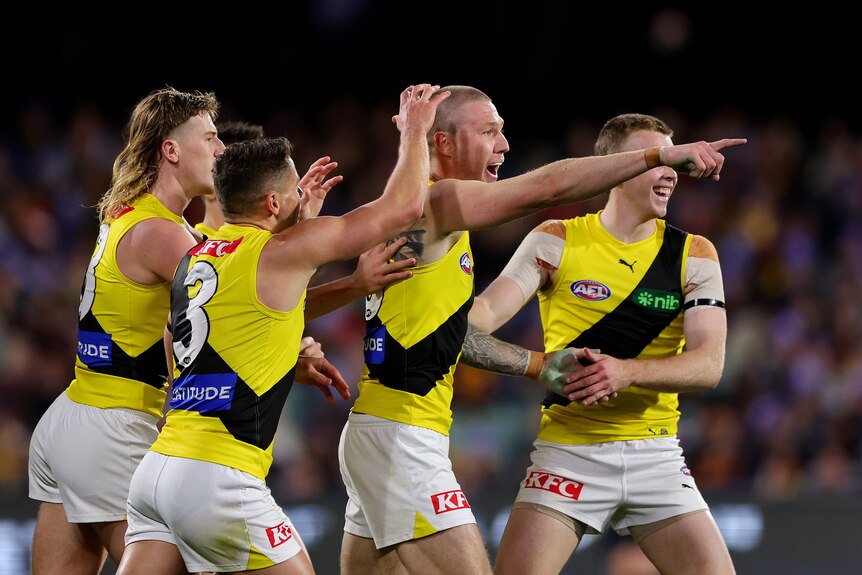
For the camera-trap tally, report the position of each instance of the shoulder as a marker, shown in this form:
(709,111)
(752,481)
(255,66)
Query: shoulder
(702,248)
(555,228)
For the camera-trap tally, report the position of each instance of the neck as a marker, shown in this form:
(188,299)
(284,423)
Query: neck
(625,226)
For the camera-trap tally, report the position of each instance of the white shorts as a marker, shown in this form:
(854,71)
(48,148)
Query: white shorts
(619,483)
(220,518)
(84,457)
(399,480)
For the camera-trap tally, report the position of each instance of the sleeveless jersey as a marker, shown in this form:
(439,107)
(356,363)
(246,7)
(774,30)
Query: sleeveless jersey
(207,231)
(121,324)
(236,355)
(625,300)
(414,334)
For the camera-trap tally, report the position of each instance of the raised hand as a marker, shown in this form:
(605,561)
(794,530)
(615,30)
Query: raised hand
(699,159)
(315,186)
(419,105)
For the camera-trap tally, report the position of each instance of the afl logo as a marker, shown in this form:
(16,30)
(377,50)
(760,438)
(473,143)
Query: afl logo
(466,264)
(591,290)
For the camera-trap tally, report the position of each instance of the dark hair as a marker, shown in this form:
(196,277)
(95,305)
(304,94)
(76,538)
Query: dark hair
(617,129)
(232,131)
(247,170)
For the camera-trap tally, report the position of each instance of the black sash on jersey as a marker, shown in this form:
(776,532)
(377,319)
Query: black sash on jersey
(628,329)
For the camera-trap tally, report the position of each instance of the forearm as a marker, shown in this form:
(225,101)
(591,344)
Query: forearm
(696,370)
(322,299)
(578,179)
(484,351)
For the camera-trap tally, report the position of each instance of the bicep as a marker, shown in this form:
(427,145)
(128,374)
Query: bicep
(705,329)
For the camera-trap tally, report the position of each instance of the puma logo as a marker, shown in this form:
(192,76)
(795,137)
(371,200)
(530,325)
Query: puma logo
(631,266)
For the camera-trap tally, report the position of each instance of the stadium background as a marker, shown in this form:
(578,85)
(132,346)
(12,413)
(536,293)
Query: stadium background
(776,447)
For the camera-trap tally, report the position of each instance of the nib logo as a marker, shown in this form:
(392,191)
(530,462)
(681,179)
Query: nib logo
(279,534)
(449,501)
(555,484)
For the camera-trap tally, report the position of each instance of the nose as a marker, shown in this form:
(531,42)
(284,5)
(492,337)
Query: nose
(503,144)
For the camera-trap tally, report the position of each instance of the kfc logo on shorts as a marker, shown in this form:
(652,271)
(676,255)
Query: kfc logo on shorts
(466,264)
(279,534)
(562,486)
(449,501)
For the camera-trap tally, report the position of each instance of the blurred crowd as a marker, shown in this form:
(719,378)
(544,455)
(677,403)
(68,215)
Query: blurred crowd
(786,218)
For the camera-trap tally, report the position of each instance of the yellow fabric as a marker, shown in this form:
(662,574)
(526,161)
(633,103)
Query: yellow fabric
(121,360)
(595,265)
(421,527)
(421,323)
(227,401)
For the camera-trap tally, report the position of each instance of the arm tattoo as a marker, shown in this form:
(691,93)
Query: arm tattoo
(486,352)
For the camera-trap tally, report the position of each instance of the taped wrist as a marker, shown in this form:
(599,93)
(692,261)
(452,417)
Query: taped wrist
(534,368)
(652,157)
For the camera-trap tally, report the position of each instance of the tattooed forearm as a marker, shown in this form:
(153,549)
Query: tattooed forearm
(489,353)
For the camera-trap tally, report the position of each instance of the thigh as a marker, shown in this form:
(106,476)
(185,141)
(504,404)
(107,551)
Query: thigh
(60,547)
(456,550)
(534,543)
(691,545)
(359,556)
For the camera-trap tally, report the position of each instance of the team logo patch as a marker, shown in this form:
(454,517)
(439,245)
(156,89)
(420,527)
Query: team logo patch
(466,264)
(685,470)
(215,248)
(374,345)
(562,486)
(590,290)
(203,392)
(449,501)
(94,349)
(279,534)
(656,300)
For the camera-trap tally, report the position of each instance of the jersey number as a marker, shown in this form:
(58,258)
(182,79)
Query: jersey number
(192,326)
(88,291)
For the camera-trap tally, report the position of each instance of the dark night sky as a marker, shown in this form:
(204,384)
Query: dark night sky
(541,61)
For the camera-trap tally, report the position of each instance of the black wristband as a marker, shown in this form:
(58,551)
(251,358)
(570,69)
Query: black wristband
(703,301)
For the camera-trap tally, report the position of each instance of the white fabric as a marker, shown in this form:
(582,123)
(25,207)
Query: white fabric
(394,474)
(84,457)
(619,483)
(214,514)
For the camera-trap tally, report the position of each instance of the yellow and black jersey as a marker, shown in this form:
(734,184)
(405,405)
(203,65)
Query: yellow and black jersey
(205,230)
(414,333)
(121,358)
(625,300)
(236,355)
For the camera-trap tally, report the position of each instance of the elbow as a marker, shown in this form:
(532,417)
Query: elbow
(413,211)
(712,377)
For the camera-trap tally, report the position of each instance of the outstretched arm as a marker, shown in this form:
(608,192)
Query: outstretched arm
(375,270)
(458,205)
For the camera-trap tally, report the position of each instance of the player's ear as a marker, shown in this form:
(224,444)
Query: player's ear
(272,204)
(443,143)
